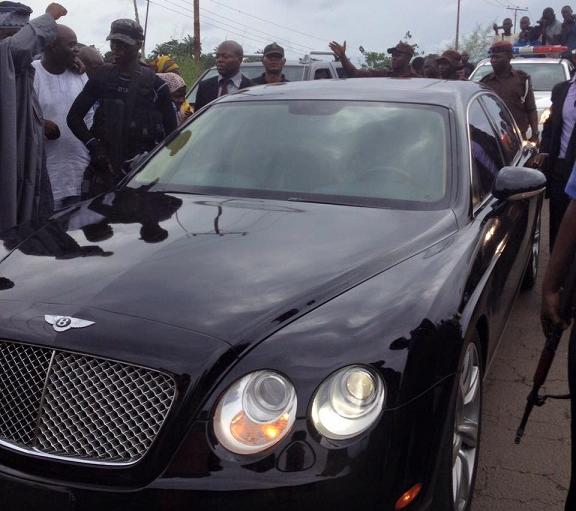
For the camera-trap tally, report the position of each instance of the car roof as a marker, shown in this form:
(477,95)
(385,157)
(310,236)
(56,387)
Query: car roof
(528,60)
(452,94)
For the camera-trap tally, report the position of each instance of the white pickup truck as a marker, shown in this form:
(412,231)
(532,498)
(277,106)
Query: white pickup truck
(308,68)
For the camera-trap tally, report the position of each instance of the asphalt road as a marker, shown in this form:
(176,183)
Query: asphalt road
(533,475)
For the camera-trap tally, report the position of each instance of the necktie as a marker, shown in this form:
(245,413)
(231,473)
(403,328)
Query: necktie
(224,86)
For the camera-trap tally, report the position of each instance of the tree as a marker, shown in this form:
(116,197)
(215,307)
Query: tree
(174,47)
(377,60)
(478,42)
(408,40)
(182,51)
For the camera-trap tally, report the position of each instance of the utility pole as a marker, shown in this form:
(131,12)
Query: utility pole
(197,32)
(516,9)
(457,28)
(136,12)
(145,28)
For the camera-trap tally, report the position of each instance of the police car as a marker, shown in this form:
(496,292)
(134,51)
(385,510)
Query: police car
(546,68)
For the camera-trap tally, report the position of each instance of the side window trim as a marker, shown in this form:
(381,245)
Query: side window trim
(475,209)
(502,105)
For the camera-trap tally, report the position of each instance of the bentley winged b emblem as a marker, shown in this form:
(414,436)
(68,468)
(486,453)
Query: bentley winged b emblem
(63,323)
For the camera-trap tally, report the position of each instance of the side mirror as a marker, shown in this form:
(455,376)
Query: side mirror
(515,183)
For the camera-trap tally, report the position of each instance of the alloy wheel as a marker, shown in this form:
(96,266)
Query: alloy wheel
(466,428)
(536,248)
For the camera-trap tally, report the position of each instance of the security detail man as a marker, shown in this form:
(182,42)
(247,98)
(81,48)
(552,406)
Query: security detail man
(273,61)
(514,86)
(402,54)
(134,113)
(558,150)
(229,56)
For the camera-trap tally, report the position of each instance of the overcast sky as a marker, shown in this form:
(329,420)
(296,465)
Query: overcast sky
(299,25)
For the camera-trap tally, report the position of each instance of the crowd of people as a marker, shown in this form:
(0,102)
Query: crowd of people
(71,125)
(548,31)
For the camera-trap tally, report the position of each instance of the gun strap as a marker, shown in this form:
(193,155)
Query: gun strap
(557,396)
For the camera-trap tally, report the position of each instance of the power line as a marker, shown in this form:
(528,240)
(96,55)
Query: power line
(516,9)
(259,41)
(275,37)
(269,21)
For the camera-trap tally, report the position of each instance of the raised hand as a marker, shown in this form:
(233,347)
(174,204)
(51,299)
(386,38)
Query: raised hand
(338,49)
(56,11)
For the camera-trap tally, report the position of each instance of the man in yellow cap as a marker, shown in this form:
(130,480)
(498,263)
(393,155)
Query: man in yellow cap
(402,53)
(514,87)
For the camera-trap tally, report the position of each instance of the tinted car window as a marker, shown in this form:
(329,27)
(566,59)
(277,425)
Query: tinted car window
(327,151)
(486,157)
(507,134)
(544,76)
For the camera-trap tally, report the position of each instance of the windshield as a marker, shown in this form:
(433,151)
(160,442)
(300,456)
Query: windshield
(544,76)
(343,152)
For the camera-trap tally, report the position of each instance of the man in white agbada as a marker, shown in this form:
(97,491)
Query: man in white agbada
(57,87)
(24,187)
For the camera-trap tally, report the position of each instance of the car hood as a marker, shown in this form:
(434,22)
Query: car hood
(231,270)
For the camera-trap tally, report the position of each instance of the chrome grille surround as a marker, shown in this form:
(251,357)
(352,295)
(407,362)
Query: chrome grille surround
(79,408)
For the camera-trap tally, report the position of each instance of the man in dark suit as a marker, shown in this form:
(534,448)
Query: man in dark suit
(558,151)
(229,56)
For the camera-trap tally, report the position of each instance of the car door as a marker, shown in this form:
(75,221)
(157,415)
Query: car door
(502,227)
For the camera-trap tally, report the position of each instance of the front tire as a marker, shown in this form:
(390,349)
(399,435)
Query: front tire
(532,270)
(459,451)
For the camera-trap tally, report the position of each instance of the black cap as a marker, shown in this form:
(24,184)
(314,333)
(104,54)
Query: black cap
(127,31)
(14,14)
(274,48)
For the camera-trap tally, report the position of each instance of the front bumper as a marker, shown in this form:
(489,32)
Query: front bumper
(305,473)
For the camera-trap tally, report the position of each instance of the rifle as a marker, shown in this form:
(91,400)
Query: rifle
(567,306)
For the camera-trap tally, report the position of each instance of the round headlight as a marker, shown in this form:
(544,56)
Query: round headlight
(348,403)
(255,413)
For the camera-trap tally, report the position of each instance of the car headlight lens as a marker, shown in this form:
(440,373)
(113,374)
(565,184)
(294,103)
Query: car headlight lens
(348,403)
(255,413)
(544,116)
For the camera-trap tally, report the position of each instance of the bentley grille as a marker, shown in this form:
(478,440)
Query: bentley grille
(81,408)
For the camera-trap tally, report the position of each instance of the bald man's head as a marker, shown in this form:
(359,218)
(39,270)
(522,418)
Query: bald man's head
(62,50)
(91,58)
(229,55)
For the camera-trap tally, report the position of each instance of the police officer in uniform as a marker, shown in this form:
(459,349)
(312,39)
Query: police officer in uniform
(134,110)
(514,87)
(273,61)
(402,54)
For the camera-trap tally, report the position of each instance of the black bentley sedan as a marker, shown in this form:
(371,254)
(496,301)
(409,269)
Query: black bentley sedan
(290,306)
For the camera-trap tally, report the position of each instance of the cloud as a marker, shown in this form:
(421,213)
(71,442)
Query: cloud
(300,25)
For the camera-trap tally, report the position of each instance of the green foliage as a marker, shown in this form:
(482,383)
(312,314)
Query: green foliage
(182,51)
(377,60)
(381,60)
(175,47)
(477,42)
(408,39)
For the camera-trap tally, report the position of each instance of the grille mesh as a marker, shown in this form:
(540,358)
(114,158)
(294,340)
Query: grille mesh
(80,407)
